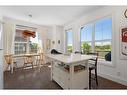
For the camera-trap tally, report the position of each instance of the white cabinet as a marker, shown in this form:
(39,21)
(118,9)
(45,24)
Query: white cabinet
(60,76)
(79,80)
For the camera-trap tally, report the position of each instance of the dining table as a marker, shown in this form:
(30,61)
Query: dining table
(17,56)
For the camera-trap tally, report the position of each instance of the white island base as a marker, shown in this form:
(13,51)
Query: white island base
(69,79)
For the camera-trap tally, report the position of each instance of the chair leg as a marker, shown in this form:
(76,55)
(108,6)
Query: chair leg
(7,67)
(89,79)
(15,64)
(24,66)
(32,65)
(36,62)
(96,77)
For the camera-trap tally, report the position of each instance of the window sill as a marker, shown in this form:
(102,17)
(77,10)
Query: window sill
(106,63)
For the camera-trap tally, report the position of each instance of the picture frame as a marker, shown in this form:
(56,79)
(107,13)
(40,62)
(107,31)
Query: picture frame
(123,43)
(125,13)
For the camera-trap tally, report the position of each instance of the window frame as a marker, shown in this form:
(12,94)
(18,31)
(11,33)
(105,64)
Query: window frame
(92,44)
(104,62)
(27,42)
(70,29)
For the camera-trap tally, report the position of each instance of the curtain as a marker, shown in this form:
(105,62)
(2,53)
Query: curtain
(8,39)
(40,40)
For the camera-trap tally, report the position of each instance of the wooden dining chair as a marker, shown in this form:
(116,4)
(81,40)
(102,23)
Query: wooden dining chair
(9,60)
(28,60)
(93,66)
(39,59)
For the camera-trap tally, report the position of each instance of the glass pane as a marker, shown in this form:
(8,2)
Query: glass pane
(86,47)
(107,46)
(103,48)
(103,29)
(19,36)
(86,33)
(107,29)
(98,31)
(69,41)
(20,48)
(34,44)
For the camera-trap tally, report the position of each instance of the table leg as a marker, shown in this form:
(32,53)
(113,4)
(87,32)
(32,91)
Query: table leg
(87,68)
(71,76)
(12,67)
(51,70)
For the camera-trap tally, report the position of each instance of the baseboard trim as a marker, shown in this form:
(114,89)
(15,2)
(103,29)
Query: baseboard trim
(115,79)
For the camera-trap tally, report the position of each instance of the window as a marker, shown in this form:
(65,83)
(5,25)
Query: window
(24,45)
(97,37)
(103,35)
(69,34)
(86,38)
(20,42)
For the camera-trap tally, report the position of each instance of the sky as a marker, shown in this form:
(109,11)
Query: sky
(103,31)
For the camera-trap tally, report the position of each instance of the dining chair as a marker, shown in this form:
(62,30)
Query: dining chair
(28,60)
(9,60)
(93,66)
(39,59)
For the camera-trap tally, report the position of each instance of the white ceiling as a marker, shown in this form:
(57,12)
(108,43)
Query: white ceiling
(47,15)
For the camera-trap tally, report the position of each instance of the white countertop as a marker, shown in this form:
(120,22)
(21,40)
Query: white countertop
(68,59)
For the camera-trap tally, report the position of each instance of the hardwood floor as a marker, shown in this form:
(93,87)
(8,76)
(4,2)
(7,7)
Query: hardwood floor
(35,79)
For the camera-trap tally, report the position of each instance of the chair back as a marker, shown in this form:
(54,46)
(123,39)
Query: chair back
(94,59)
(8,58)
(29,59)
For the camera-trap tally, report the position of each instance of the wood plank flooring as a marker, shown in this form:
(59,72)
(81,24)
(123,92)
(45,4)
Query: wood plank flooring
(40,79)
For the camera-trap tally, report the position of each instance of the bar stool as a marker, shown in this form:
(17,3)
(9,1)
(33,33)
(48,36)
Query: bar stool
(93,66)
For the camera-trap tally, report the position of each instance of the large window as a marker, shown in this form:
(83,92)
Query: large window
(25,45)
(69,35)
(103,35)
(97,36)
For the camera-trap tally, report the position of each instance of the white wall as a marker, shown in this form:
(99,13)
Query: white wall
(55,33)
(58,35)
(118,70)
(1,59)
